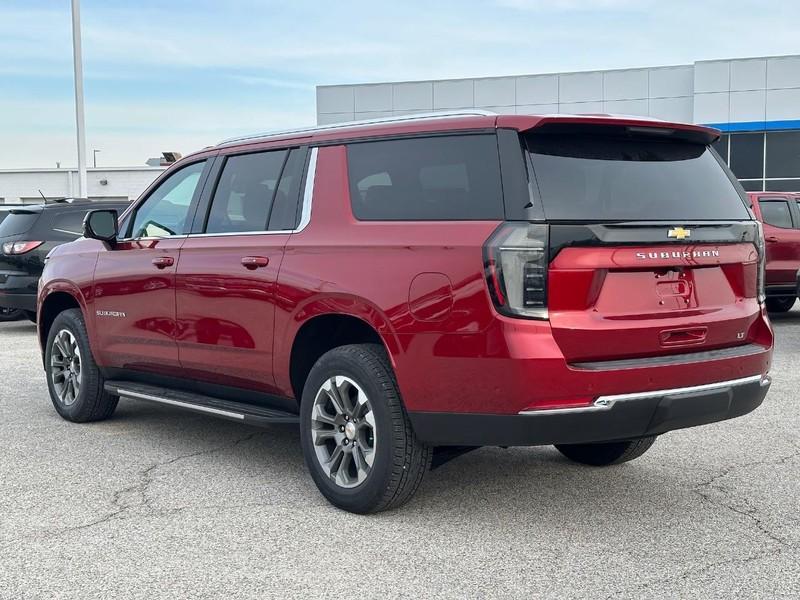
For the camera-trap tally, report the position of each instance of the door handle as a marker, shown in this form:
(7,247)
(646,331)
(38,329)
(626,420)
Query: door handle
(255,262)
(772,238)
(162,262)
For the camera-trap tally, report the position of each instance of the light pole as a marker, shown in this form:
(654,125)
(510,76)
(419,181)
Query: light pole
(94,158)
(79,119)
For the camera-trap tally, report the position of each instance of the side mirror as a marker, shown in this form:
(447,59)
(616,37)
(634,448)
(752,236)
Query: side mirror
(101,225)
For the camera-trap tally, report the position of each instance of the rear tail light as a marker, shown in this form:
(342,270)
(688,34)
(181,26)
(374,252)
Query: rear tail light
(516,261)
(13,248)
(762,261)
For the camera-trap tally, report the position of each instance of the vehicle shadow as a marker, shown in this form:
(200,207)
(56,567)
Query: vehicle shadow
(485,484)
(793,316)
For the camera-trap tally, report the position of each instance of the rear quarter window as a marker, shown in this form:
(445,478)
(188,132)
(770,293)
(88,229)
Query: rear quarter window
(17,223)
(439,178)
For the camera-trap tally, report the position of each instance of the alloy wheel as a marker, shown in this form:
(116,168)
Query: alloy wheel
(65,367)
(343,431)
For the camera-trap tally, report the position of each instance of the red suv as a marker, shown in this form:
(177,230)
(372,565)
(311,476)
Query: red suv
(409,288)
(780,214)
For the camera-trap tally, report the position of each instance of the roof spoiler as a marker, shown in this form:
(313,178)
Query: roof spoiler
(698,134)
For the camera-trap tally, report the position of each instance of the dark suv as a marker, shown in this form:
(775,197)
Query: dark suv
(27,234)
(414,286)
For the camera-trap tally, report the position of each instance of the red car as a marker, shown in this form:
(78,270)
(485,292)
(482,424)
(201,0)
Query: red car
(780,214)
(409,288)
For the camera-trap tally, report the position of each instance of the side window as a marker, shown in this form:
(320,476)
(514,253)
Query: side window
(70,223)
(166,211)
(776,213)
(284,209)
(433,178)
(245,191)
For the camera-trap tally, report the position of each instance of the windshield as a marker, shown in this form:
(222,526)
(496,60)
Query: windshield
(615,178)
(17,223)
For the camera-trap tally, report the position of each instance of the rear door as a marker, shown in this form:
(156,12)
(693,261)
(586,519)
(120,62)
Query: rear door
(134,282)
(781,220)
(229,266)
(651,246)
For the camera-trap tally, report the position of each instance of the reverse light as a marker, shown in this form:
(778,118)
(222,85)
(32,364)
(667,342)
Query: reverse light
(15,248)
(516,262)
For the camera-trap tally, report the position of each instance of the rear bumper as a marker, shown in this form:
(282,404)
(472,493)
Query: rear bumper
(609,418)
(25,301)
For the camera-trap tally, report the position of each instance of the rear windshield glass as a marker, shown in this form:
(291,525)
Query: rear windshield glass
(16,223)
(596,177)
(433,178)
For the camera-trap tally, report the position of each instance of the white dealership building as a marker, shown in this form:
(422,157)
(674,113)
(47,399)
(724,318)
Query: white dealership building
(754,101)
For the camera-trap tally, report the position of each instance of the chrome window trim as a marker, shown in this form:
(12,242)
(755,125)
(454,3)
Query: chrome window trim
(308,191)
(604,403)
(305,219)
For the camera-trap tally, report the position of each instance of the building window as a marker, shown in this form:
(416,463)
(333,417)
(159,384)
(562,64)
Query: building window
(747,155)
(783,154)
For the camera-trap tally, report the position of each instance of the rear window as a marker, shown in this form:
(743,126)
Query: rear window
(426,179)
(17,223)
(608,178)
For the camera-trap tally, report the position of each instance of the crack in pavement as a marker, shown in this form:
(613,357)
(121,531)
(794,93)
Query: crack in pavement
(749,514)
(140,489)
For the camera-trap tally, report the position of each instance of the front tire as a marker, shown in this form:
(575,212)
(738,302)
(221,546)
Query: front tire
(357,439)
(73,378)
(780,305)
(606,453)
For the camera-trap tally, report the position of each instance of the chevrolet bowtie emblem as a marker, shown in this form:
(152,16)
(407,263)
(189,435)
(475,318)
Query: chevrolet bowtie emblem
(679,233)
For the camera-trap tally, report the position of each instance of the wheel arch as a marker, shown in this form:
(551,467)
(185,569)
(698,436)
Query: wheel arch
(52,303)
(324,329)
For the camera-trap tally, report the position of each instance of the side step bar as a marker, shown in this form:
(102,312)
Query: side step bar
(226,409)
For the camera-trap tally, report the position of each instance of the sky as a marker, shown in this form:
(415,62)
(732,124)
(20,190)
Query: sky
(184,74)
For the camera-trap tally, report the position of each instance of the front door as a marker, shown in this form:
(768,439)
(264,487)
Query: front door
(229,266)
(134,283)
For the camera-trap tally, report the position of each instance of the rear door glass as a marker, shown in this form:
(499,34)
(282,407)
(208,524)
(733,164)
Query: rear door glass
(17,223)
(599,177)
(433,178)
(776,213)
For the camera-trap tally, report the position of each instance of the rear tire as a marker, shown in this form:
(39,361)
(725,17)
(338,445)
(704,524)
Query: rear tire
(780,305)
(9,314)
(73,378)
(357,439)
(606,453)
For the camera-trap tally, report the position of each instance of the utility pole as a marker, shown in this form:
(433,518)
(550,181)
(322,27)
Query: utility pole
(79,118)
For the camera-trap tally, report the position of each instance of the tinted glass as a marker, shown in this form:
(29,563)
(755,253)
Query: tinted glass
(776,212)
(166,210)
(612,178)
(436,178)
(246,187)
(284,207)
(15,224)
(747,155)
(783,154)
(70,223)
(721,146)
(783,185)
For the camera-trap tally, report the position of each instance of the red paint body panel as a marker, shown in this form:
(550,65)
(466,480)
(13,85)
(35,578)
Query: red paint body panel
(783,245)
(422,287)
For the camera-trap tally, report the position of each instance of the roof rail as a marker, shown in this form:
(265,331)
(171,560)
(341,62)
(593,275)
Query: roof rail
(472,112)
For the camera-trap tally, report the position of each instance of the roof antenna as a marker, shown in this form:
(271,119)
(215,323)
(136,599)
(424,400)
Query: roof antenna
(42,195)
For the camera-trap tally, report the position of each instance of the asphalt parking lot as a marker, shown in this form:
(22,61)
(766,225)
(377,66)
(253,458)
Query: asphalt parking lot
(158,503)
